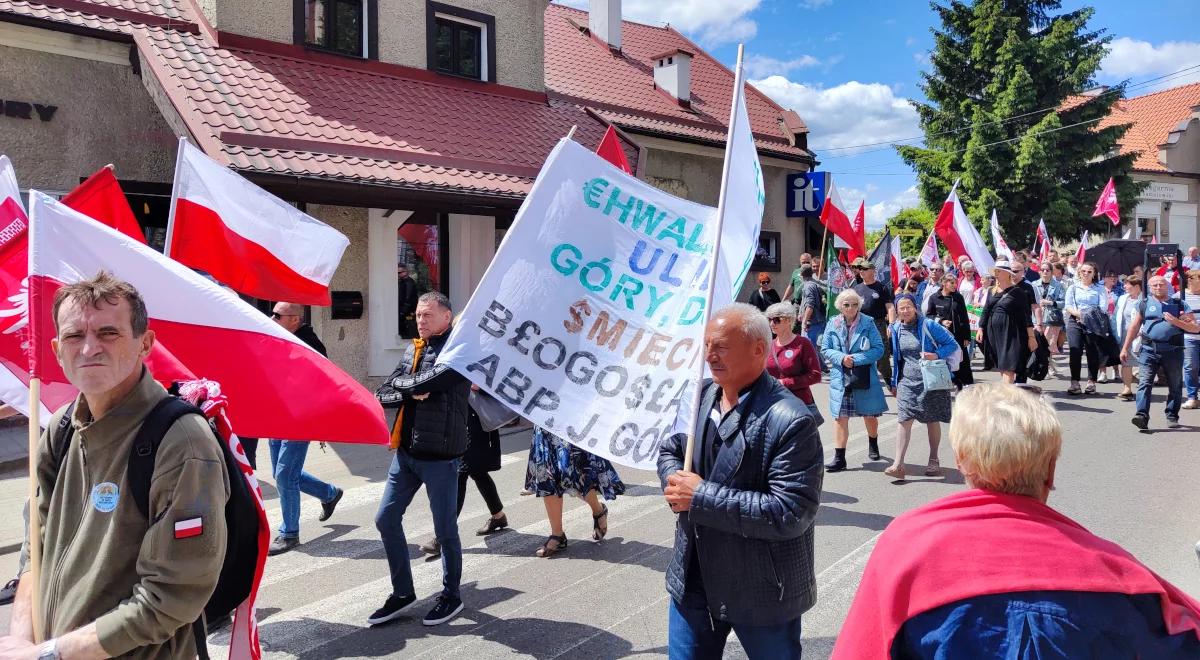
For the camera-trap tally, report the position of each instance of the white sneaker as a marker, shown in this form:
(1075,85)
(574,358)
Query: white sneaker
(1191,404)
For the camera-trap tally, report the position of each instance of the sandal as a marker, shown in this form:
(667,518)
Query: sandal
(598,530)
(934,469)
(547,550)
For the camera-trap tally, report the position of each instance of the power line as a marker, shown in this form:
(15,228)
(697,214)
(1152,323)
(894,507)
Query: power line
(891,143)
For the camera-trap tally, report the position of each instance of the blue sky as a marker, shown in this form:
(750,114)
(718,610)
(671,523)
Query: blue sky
(849,66)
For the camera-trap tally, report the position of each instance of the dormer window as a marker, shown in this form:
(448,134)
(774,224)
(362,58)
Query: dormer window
(461,42)
(345,27)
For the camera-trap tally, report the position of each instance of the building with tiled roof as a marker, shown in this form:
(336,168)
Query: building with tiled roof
(1164,133)
(672,99)
(414,127)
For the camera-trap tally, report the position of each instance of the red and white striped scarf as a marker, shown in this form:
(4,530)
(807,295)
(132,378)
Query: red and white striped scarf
(206,395)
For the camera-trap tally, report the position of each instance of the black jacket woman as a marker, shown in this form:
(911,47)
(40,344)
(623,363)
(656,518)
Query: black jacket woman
(949,309)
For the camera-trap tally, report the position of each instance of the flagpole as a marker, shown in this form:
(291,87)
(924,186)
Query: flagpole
(571,132)
(33,304)
(716,258)
(821,257)
(174,196)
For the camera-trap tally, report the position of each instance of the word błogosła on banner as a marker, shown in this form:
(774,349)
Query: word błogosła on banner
(589,321)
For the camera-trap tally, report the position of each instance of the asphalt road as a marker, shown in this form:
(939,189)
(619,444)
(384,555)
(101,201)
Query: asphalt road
(607,600)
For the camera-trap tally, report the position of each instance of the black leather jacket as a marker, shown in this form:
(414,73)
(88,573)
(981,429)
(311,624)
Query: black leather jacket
(438,423)
(751,520)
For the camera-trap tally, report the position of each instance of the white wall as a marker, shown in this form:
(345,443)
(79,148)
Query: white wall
(472,246)
(386,346)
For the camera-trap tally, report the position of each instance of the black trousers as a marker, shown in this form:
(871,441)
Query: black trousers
(487,488)
(1080,345)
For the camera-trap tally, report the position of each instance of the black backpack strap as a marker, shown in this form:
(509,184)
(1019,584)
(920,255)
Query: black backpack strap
(60,442)
(145,447)
(200,632)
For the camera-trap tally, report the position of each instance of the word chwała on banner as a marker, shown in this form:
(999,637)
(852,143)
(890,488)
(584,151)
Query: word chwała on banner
(589,321)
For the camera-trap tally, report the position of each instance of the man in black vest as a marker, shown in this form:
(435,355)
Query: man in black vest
(1161,321)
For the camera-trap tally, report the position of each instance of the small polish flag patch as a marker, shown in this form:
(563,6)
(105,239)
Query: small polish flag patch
(188,528)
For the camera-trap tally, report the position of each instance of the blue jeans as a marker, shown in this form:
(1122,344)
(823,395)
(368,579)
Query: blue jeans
(1191,366)
(692,635)
(441,484)
(814,332)
(287,464)
(1171,363)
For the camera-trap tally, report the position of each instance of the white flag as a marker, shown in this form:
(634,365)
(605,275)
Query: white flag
(929,253)
(1002,249)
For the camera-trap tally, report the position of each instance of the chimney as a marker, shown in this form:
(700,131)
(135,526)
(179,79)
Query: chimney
(673,75)
(604,22)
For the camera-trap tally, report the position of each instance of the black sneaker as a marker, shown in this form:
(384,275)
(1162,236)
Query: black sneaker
(328,507)
(835,465)
(873,449)
(1141,421)
(1173,422)
(390,610)
(8,592)
(447,608)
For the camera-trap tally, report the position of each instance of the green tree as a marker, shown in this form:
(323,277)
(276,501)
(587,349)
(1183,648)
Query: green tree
(1009,114)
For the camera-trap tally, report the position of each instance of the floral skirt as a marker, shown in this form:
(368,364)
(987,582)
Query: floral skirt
(557,467)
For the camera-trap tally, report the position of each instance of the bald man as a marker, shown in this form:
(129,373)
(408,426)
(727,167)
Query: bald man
(749,498)
(287,456)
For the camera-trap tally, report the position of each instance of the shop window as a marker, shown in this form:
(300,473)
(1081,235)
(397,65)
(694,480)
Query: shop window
(346,27)
(420,266)
(461,42)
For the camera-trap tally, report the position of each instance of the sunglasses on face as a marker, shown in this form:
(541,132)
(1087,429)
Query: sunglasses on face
(775,319)
(277,315)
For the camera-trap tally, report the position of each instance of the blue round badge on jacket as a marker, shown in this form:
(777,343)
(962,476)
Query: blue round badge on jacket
(105,496)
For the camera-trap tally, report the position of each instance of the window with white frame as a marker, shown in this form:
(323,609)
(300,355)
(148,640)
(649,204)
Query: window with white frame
(461,42)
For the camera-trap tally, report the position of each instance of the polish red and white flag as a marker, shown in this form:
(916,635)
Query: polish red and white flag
(277,386)
(1081,253)
(833,216)
(247,238)
(102,196)
(610,150)
(859,225)
(1042,238)
(960,236)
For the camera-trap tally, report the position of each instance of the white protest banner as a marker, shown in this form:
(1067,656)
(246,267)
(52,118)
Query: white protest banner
(589,320)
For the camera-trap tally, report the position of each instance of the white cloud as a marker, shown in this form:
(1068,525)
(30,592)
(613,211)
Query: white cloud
(712,22)
(1131,58)
(761,66)
(849,114)
(878,212)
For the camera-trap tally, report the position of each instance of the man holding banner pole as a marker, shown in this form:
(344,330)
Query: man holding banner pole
(758,519)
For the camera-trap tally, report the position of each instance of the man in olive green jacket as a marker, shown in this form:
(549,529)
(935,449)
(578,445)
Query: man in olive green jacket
(112,582)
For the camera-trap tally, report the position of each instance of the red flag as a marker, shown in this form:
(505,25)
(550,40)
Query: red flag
(610,150)
(207,328)
(100,198)
(1106,204)
(247,238)
(858,249)
(835,219)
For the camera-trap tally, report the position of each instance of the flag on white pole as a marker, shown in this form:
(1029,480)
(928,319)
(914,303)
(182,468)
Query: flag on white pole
(589,322)
(1042,239)
(1128,234)
(960,236)
(1081,252)
(207,328)
(247,238)
(1002,249)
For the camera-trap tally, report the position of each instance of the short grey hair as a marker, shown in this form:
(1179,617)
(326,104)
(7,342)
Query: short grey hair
(753,323)
(781,310)
(437,298)
(848,295)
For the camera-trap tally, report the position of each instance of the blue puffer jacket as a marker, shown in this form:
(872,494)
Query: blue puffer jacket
(752,517)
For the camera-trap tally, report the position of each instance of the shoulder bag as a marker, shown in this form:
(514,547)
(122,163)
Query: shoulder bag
(935,374)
